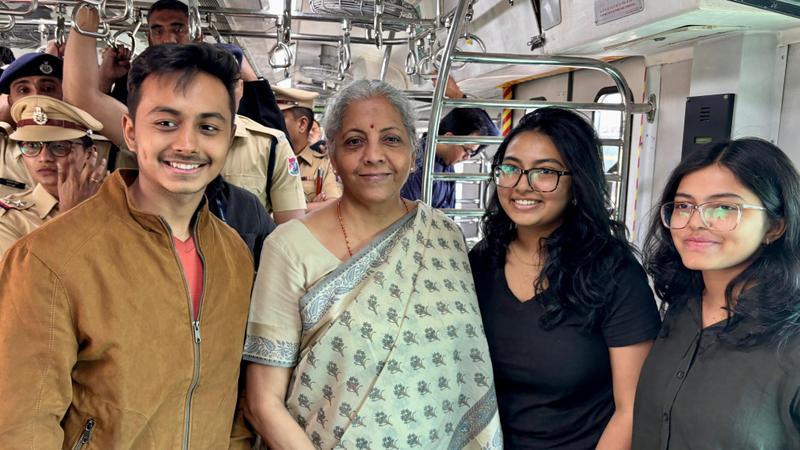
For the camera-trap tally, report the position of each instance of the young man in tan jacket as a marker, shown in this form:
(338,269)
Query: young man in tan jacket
(122,320)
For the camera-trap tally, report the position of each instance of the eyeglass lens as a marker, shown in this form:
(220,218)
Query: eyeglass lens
(716,216)
(542,180)
(57,148)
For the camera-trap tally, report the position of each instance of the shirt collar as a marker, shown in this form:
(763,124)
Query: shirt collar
(307,155)
(43,202)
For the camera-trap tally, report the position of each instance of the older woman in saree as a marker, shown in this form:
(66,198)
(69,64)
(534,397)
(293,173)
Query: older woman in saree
(364,330)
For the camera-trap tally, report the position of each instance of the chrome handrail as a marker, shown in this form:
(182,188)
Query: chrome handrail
(32,5)
(103,28)
(451,54)
(11,23)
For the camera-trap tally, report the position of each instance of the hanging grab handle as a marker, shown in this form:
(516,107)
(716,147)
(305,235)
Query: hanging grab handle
(287,61)
(10,25)
(377,23)
(21,12)
(103,29)
(126,13)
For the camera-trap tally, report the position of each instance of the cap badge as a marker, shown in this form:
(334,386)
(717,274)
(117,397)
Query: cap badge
(46,68)
(39,117)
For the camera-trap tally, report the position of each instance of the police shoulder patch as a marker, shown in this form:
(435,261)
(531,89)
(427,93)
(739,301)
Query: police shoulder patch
(294,166)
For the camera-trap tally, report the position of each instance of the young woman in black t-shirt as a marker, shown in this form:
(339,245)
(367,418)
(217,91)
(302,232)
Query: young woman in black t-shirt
(724,254)
(567,310)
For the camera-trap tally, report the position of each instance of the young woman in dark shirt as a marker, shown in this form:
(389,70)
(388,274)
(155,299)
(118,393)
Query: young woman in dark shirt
(724,254)
(567,310)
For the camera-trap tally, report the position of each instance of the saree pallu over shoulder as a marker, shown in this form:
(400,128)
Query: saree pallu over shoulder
(392,352)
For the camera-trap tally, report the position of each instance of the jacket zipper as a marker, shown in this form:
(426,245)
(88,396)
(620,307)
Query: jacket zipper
(195,325)
(86,435)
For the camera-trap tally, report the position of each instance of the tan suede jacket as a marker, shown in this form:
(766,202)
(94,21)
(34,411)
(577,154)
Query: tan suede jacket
(98,349)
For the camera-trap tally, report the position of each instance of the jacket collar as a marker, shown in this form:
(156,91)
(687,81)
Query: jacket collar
(116,191)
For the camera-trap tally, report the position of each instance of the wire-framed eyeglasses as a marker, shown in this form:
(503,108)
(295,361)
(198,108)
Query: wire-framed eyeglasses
(539,178)
(58,149)
(472,150)
(719,216)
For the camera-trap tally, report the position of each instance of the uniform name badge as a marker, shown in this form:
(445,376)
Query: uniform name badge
(294,166)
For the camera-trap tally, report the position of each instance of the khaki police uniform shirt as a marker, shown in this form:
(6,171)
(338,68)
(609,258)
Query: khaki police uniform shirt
(24,212)
(11,166)
(310,163)
(247,164)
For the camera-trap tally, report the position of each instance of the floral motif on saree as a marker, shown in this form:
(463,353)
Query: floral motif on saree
(393,354)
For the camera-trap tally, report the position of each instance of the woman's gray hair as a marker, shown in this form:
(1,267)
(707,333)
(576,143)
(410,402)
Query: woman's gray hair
(363,90)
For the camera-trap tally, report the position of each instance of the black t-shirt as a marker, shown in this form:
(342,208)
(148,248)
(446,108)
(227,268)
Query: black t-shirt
(554,388)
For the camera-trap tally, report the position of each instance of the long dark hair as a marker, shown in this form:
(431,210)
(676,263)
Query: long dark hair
(589,245)
(769,288)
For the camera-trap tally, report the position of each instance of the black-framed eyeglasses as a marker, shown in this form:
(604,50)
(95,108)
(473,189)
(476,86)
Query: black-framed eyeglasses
(719,216)
(58,149)
(539,178)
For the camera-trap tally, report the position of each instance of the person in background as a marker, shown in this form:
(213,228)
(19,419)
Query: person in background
(317,175)
(724,254)
(123,319)
(317,138)
(81,70)
(30,74)
(458,122)
(568,313)
(260,160)
(348,348)
(55,140)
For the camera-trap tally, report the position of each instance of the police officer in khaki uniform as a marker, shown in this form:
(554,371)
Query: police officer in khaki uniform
(319,181)
(55,141)
(247,167)
(30,74)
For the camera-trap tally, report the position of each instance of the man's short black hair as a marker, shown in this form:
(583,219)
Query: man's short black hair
(6,56)
(187,60)
(168,5)
(301,111)
(466,121)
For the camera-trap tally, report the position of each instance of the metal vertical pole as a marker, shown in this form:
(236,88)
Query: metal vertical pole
(436,107)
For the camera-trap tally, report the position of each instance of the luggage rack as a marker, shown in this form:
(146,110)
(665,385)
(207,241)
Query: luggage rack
(627,107)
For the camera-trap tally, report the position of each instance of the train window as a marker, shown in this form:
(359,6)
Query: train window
(608,125)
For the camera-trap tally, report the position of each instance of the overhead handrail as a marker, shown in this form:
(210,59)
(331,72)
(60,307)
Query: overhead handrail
(195,26)
(21,12)
(451,55)
(411,57)
(425,66)
(343,51)
(282,45)
(60,31)
(102,31)
(10,25)
(377,23)
(119,18)
(131,33)
(211,19)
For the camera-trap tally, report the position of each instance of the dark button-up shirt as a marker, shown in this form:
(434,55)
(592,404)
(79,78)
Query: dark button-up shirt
(444,192)
(696,392)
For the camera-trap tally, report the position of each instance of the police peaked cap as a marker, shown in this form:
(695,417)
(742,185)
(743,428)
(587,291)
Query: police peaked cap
(31,65)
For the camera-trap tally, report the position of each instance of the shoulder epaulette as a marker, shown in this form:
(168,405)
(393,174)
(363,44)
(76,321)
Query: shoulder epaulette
(252,125)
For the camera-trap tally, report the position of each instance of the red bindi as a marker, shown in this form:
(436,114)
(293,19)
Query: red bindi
(371,126)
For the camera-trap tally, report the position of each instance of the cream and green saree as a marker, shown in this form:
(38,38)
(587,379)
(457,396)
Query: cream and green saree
(387,348)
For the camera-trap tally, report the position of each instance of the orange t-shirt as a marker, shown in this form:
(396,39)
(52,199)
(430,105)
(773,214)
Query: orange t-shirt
(192,270)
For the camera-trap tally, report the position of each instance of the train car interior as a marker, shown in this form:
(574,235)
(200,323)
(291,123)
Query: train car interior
(656,78)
